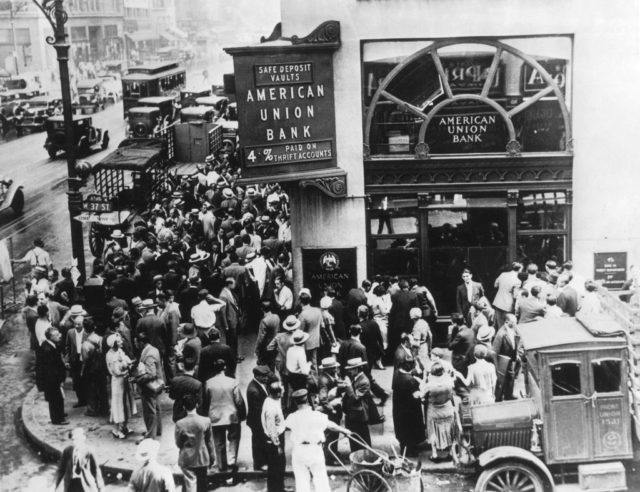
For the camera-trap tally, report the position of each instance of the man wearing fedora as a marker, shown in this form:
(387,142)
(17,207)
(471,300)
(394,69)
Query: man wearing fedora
(151,325)
(213,351)
(279,347)
(356,401)
(231,314)
(73,351)
(310,322)
(330,390)
(298,367)
(256,395)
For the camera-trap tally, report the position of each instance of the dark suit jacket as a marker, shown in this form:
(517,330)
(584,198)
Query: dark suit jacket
(71,347)
(90,474)
(53,371)
(462,343)
(337,310)
(187,298)
(256,395)
(231,312)
(355,298)
(568,300)
(182,386)
(529,308)
(399,320)
(408,423)
(356,398)
(462,300)
(502,344)
(350,349)
(210,354)
(153,326)
(194,440)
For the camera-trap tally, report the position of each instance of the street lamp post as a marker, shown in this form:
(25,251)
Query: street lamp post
(57,17)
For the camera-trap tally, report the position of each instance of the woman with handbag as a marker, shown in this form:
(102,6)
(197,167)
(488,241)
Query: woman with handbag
(122,402)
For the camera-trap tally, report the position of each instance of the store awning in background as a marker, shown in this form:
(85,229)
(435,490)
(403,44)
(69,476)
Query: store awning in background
(143,35)
(179,32)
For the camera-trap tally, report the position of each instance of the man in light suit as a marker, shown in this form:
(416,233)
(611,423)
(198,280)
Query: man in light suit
(226,409)
(73,349)
(468,293)
(150,358)
(193,439)
(506,283)
(231,314)
(310,322)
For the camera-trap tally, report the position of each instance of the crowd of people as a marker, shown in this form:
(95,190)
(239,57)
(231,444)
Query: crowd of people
(212,261)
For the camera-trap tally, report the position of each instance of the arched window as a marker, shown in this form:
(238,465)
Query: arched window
(464,96)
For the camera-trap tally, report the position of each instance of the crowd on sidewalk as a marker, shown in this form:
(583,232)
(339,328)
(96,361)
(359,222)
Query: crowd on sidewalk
(212,261)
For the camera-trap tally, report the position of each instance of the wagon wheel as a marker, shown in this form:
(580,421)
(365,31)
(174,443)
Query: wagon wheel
(228,146)
(367,481)
(461,452)
(97,235)
(510,477)
(17,204)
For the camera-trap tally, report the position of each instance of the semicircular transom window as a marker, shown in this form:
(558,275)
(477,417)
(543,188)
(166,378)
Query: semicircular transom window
(468,96)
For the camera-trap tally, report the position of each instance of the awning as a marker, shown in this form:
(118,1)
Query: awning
(143,35)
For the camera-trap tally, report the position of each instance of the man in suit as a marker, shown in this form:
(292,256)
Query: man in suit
(337,310)
(214,351)
(351,348)
(152,362)
(408,422)
(231,315)
(152,326)
(183,386)
(73,349)
(468,293)
(267,331)
(226,409)
(356,400)
(461,344)
(403,352)
(194,441)
(256,395)
(399,319)
(169,314)
(506,283)
(531,307)
(53,375)
(310,322)
(568,298)
(355,297)
(507,343)
(78,468)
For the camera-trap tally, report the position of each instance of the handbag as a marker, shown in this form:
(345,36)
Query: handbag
(155,386)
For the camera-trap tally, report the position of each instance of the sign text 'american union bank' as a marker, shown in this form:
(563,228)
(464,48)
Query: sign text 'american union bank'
(286,110)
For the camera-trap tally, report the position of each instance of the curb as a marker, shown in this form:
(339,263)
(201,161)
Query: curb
(29,423)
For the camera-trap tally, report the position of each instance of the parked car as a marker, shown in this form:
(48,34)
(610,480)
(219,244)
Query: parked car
(37,110)
(86,135)
(197,114)
(11,196)
(219,103)
(188,96)
(92,96)
(143,120)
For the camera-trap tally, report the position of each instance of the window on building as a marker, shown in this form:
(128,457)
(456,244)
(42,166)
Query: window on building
(606,375)
(110,31)
(565,379)
(79,33)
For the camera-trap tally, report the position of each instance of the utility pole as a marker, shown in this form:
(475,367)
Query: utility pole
(57,17)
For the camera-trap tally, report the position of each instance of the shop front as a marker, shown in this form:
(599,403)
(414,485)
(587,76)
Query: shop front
(467,157)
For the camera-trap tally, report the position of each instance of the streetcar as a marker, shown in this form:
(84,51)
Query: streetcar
(152,80)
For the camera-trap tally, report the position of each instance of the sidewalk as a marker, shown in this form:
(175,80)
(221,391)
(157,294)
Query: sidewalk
(117,456)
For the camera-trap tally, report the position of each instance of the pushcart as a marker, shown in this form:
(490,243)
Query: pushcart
(373,470)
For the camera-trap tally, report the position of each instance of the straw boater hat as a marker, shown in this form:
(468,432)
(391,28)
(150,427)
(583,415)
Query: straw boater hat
(299,337)
(195,258)
(355,362)
(157,278)
(209,158)
(77,310)
(415,313)
(227,193)
(291,323)
(485,333)
(251,192)
(304,291)
(147,304)
(329,363)
(117,234)
(136,301)
(250,255)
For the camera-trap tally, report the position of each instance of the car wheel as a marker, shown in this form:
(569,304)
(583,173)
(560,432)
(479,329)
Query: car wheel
(509,476)
(19,131)
(17,204)
(228,146)
(97,234)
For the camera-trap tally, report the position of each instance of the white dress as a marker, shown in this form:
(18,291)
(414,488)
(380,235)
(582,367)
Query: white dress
(122,402)
(381,306)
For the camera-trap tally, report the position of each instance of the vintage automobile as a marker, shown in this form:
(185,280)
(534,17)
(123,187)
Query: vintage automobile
(37,110)
(188,96)
(86,135)
(112,86)
(219,103)
(126,181)
(164,103)
(150,114)
(575,417)
(11,196)
(8,102)
(92,96)
(197,114)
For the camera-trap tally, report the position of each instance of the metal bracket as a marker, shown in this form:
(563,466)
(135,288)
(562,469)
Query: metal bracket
(333,186)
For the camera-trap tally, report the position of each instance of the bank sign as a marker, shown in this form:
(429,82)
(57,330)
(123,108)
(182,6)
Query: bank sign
(286,114)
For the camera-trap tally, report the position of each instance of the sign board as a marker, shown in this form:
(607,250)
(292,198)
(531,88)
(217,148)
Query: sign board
(468,73)
(96,203)
(286,112)
(105,218)
(335,267)
(611,269)
(532,81)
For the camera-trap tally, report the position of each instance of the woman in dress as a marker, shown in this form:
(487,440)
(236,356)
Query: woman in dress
(441,413)
(122,403)
(380,307)
(481,378)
